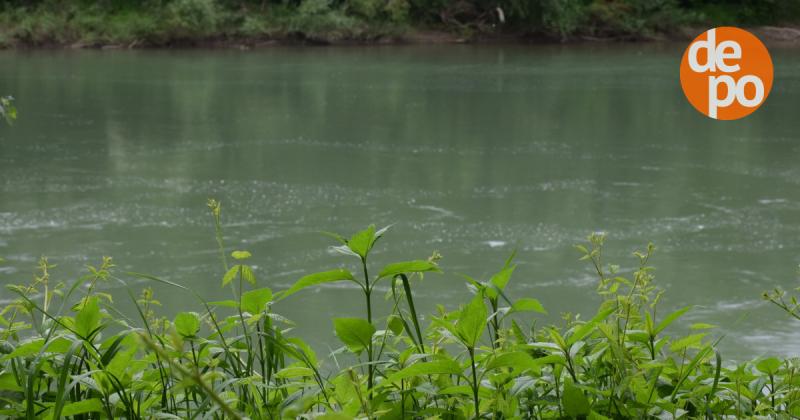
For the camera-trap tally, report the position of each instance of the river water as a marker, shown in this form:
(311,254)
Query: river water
(473,151)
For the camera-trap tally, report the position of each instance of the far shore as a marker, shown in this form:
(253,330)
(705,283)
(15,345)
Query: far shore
(774,36)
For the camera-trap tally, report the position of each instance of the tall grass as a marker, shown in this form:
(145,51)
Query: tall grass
(66,352)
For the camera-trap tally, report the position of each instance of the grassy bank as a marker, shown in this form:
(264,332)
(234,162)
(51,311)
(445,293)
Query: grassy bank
(131,23)
(66,352)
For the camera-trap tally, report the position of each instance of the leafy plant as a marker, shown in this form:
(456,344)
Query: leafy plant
(65,351)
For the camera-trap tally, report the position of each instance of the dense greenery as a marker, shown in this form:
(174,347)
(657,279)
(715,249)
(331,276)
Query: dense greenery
(164,22)
(66,352)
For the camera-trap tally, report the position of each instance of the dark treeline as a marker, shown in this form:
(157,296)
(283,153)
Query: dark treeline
(165,22)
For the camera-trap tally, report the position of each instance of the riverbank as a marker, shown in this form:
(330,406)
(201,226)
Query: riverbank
(217,24)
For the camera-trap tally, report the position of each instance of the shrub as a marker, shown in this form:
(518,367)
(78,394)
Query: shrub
(191,18)
(67,352)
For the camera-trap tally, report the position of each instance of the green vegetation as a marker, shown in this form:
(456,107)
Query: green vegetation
(183,22)
(66,352)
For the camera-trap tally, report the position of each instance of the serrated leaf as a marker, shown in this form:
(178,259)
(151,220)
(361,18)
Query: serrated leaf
(88,319)
(255,301)
(770,366)
(472,321)
(355,333)
(528,305)
(187,324)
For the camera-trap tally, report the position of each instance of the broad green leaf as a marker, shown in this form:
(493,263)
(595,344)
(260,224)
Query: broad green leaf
(670,319)
(528,305)
(518,360)
(255,301)
(436,367)
(407,267)
(395,324)
(26,349)
(472,321)
(355,333)
(241,255)
(339,274)
(187,324)
(575,402)
(499,281)
(361,242)
(87,321)
(90,405)
(769,366)
(8,382)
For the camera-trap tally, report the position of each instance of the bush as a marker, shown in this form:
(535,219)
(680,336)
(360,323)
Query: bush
(191,18)
(67,353)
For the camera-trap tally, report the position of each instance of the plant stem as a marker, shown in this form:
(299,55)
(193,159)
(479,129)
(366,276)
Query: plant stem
(475,399)
(368,295)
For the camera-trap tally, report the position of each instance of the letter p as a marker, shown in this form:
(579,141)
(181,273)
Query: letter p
(714,101)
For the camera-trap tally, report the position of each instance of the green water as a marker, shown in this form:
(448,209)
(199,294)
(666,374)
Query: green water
(472,151)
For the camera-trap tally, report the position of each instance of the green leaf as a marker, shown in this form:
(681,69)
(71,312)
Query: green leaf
(255,301)
(247,274)
(187,324)
(518,360)
(355,333)
(472,321)
(500,280)
(395,324)
(241,255)
(27,349)
(295,372)
(418,266)
(339,274)
(361,242)
(575,403)
(436,367)
(225,303)
(8,382)
(90,405)
(87,321)
(670,319)
(230,275)
(769,366)
(528,305)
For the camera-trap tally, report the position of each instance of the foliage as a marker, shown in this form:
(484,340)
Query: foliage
(66,352)
(166,22)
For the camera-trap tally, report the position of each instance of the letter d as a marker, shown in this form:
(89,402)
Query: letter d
(710,45)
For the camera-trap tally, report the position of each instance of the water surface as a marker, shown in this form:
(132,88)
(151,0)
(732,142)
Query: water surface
(473,151)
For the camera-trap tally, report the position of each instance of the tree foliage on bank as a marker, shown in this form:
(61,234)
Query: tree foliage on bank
(164,22)
(66,351)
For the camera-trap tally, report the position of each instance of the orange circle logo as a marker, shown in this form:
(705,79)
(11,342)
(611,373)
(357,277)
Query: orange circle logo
(726,73)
